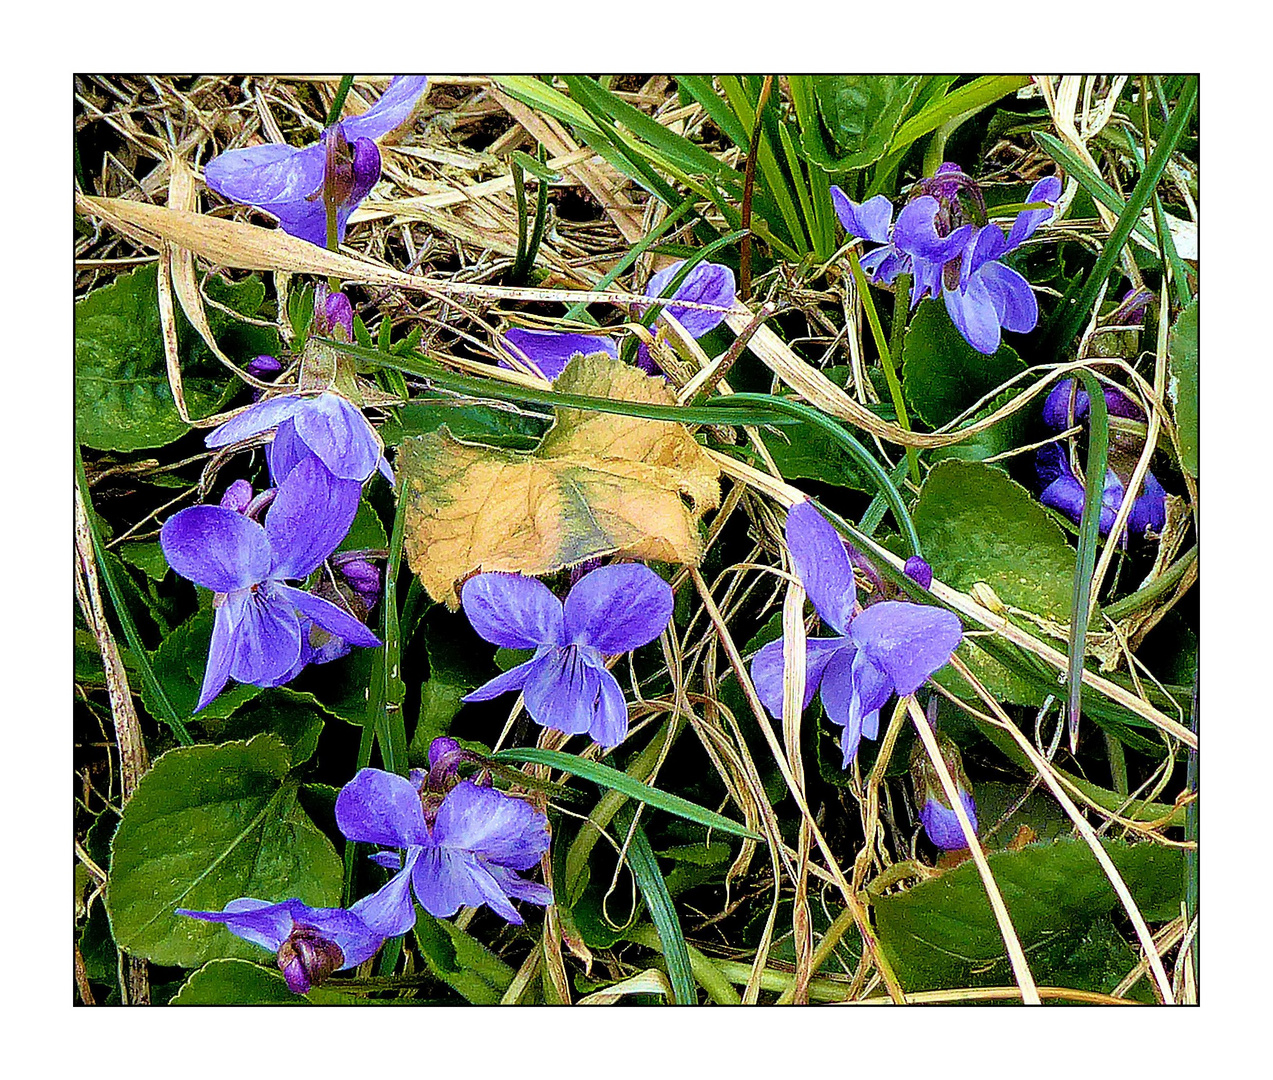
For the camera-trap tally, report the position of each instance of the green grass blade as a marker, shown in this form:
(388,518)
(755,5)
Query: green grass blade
(1093,183)
(621,782)
(1071,316)
(1089,541)
(658,901)
(387,690)
(700,89)
(135,645)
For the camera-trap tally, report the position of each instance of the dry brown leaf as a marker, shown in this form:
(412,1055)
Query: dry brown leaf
(599,484)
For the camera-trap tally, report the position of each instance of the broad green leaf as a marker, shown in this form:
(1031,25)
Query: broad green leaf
(622,782)
(1183,389)
(206,825)
(179,665)
(997,439)
(808,453)
(237,982)
(454,670)
(978,525)
(942,933)
(862,114)
(461,961)
(296,718)
(122,398)
(367,531)
(942,374)
(148,557)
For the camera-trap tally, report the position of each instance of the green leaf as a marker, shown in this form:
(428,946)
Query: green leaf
(296,718)
(997,439)
(148,557)
(977,524)
(453,672)
(862,114)
(461,961)
(504,428)
(237,982)
(1183,388)
(615,780)
(179,664)
(122,398)
(942,374)
(942,933)
(206,825)
(809,453)
(367,531)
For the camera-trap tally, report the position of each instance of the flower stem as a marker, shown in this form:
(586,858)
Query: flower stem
(338,102)
(903,294)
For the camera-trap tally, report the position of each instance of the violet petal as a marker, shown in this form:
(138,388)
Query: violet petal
(513,611)
(331,618)
(260,417)
(378,807)
(551,351)
(500,828)
(392,110)
(822,565)
(217,548)
(220,655)
(309,518)
(618,608)
(908,641)
(336,430)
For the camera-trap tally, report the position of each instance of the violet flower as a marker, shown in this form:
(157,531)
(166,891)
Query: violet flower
(311,943)
(890,647)
(327,425)
(989,295)
(566,685)
(1064,488)
(256,634)
(707,283)
(939,820)
(289,182)
(982,295)
(463,852)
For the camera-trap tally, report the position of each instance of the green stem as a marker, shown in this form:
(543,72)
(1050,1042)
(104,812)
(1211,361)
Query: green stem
(885,350)
(1156,588)
(338,102)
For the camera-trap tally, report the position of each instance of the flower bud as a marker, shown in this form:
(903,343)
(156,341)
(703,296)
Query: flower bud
(237,497)
(333,314)
(918,571)
(264,365)
(307,958)
(939,820)
(363,577)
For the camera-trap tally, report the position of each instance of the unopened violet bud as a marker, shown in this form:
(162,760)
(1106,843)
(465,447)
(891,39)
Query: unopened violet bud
(333,314)
(1131,309)
(237,497)
(940,822)
(362,576)
(444,750)
(918,571)
(307,958)
(264,365)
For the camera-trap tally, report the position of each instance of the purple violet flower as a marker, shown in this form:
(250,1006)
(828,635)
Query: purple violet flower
(1064,491)
(289,182)
(989,296)
(912,246)
(464,852)
(566,685)
(707,283)
(327,425)
(1063,487)
(890,647)
(256,635)
(311,943)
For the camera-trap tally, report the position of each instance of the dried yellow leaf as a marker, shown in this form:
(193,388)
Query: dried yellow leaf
(599,484)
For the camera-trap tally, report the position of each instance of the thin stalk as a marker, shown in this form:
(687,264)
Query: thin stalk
(749,183)
(338,102)
(1156,588)
(883,348)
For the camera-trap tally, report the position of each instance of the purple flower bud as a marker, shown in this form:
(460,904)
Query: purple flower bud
(264,365)
(237,497)
(443,749)
(333,313)
(939,820)
(1057,408)
(919,571)
(362,575)
(1131,309)
(307,958)
(445,755)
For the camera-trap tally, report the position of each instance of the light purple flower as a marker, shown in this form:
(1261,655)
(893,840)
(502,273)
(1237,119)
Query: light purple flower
(311,943)
(1068,403)
(940,823)
(289,182)
(327,425)
(912,246)
(707,283)
(990,296)
(566,685)
(890,647)
(256,634)
(463,853)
